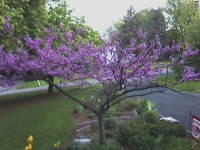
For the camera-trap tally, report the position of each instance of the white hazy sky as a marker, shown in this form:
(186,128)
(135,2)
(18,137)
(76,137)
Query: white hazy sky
(101,14)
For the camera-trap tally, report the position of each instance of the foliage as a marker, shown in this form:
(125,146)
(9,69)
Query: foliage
(181,13)
(111,133)
(111,112)
(153,23)
(144,105)
(94,126)
(79,109)
(173,143)
(184,16)
(127,105)
(150,117)
(27,17)
(90,115)
(129,28)
(168,129)
(141,135)
(135,138)
(110,123)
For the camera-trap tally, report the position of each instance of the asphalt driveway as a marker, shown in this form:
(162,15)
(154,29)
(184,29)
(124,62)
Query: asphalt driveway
(174,104)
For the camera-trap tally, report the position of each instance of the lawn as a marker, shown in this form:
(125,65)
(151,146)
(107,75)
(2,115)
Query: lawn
(31,84)
(188,86)
(45,117)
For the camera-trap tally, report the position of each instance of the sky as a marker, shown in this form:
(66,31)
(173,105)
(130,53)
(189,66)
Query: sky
(101,14)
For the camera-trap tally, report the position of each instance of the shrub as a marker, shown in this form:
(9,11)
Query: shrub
(150,117)
(168,129)
(110,123)
(111,133)
(79,109)
(144,105)
(140,134)
(111,111)
(124,133)
(127,105)
(172,143)
(133,137)
(94,126)
(90,115)
(141,141)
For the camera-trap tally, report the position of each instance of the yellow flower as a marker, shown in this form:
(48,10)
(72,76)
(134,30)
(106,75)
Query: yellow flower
(30,139)
(58,144)
(30,146)
(99,100)
(26,148)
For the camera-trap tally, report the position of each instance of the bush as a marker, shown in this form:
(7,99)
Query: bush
(144,105)
(168,129)
(90,115)
(172,143)
(94,126)
(134,137)
(141,141)
(79,109)
(110,123)
(150,117)
(111,133)
(150,135)
(127,105)
(111,111)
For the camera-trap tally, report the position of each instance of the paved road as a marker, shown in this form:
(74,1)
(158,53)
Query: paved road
(174,104)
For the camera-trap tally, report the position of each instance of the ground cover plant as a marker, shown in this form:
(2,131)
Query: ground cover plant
(40,59)
(46,117)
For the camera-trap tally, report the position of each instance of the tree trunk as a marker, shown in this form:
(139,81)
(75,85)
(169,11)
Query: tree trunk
(101,128)
(50,90)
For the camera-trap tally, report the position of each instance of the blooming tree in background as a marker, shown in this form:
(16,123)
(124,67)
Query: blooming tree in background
(115,69)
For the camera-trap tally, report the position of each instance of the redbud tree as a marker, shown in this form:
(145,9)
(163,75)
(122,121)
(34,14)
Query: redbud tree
(114,68)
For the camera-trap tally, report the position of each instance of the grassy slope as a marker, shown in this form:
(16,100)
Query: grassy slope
(189,86)
(45,117)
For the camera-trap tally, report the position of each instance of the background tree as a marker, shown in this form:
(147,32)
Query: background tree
(116,73)
(29,17)
(154,24)
(149,20)
(129,28)
(181,13)
(184,18)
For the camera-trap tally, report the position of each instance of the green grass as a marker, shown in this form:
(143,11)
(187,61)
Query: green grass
(31,84)
(45,117)
(188,86)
